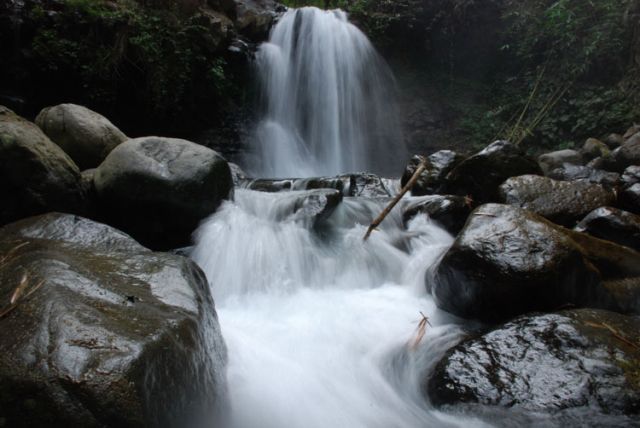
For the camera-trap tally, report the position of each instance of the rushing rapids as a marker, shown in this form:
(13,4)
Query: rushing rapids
(328,101)
(319,323)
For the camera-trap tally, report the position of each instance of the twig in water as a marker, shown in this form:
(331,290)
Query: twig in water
(420,331)
(414,178)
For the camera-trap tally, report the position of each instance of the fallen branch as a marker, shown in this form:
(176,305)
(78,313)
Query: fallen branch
(420,331)
(615,333)
(414,178)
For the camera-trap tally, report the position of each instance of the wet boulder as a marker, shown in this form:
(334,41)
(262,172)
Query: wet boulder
(314,206)
(562,202)
(630,198)
(626,293)
(613,141)
(614,225)
(631,176)
(159,189)
(480,175)
(630,132)
(366,185)
(86,136)
(439,164)
(98,331)
(573,362)
(569,172)
(449,211)
(550,161)
(36,176)
(508,261)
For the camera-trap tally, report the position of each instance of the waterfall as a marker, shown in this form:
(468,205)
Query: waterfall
(318,322)
(328,101)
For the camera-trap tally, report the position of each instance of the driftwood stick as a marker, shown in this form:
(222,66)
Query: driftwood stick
(375,223)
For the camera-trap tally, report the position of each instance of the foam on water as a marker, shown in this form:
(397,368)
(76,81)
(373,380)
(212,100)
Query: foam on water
(318,326)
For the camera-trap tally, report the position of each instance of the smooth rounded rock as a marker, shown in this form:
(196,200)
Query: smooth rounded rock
(159,189)
(573,362)
(86,136)
(439,164)
(508,261)
(449,211)
(550,161)
(36,176)
(104,333)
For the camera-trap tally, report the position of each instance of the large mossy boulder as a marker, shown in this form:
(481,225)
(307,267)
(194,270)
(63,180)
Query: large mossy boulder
(36,176)
(86,136)
(98,331)
(159,189)
(508,261)
(614,225)
(563,202)
(439,164)
(480,175)
(580,366)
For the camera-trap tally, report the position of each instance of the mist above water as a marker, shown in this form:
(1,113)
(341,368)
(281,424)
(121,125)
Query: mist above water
(328,101)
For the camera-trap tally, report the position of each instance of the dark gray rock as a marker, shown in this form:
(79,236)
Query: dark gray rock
(508,261)
(365,185)
(569,172)
(315,206)
(86,136)
(548,364)
(631,176)
(104,332)
(628,154)
(630,132)
(449,211)
(613,141)
(550,161)
(614,225)
(480,175)
(629,198)
(36,176)
(439,164)
(159,189)
(562,202)
(254,18)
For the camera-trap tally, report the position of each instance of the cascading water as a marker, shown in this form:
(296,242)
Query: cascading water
(319,324)
(329,104)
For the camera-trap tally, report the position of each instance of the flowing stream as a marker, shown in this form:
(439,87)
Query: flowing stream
(321,327)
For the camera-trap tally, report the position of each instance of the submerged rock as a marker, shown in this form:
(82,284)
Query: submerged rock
(559,201)
(449,211)
(508,261)
(159,189)
(480,175)
(315,206)
(104,332)
(550,161)
(614,225)
(86,136)
(439,164)
(36,176)
(548,363)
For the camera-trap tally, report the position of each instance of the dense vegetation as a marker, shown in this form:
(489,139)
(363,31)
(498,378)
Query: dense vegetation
(150,65)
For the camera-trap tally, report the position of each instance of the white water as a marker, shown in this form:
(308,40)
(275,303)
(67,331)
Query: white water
(318,327)
(329,103)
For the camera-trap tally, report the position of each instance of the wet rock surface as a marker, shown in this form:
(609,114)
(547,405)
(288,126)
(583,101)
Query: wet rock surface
(86,136)
(159,189)
(449,211)
(104,332)
(569,172)
(508,261)
(559,201)
(585,360)
(36,176)
(614,225)
(480,175)
(439,164)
